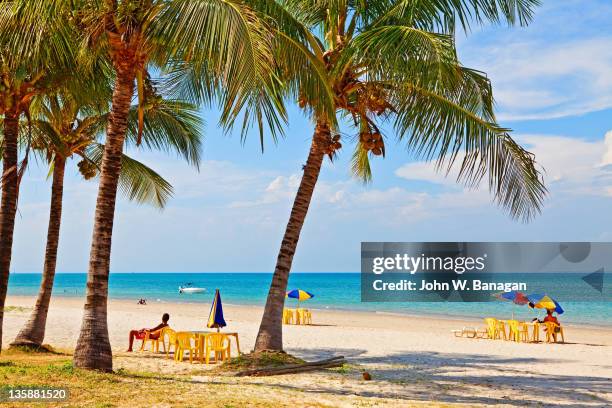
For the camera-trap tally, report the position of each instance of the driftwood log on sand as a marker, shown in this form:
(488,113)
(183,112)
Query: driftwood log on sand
(294,368)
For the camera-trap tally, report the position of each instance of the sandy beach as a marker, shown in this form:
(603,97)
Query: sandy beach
(412,359)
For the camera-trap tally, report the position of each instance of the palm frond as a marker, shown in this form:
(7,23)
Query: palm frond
(444,15)
(442,127)
(400,53)
(169,125)
(137,182)
(229,39)
(360,164)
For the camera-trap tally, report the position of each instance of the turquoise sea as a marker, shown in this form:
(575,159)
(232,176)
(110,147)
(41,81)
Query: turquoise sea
(340,291)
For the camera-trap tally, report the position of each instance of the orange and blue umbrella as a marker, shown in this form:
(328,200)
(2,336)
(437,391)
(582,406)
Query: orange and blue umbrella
(543,301)
(215,318)
(514,296)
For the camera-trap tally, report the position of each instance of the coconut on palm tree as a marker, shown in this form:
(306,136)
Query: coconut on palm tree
(63,128)
(208,49)
(393,65)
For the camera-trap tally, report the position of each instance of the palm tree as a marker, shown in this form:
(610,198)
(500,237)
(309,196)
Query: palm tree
(33,59)
(394,62)
(65,128)
(208,49)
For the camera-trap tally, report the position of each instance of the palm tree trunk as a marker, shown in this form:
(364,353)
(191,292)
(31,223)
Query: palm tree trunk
(93,349)
(33,332)
(270,336)
(8,204)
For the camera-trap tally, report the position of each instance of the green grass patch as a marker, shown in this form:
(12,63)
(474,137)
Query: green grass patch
(263,359)
(18,309)
(97,389)
(45,348)
(345,369)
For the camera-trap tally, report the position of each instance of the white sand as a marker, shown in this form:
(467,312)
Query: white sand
(411,359)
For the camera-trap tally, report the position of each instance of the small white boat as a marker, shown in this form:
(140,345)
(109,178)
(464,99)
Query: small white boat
(190,289)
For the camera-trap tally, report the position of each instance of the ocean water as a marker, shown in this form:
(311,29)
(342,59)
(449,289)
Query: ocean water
(340,291)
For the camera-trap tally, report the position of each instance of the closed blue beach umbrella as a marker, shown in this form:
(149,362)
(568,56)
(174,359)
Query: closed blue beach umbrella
(215,318)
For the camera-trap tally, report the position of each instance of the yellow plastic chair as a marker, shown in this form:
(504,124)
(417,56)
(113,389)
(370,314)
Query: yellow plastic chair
(492,328)
(523,332)
(513,330)
(501,330)
(288,316)
(307,316)
(154,341)
(183,344)
(219,344)
(518,331)
(298,316)
(301,316)
(536,332)
(551,334)
(171,334)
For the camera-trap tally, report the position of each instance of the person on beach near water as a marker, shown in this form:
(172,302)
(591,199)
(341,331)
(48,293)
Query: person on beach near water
(153,333)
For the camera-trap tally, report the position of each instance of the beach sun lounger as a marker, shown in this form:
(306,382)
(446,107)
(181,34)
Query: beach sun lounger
(470,332)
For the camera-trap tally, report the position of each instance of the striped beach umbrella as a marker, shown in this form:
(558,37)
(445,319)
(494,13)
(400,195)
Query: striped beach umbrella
(299,294)
(215,318)
(516,297)
(543,301)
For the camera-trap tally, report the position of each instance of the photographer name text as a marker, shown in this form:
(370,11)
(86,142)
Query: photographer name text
(457,284)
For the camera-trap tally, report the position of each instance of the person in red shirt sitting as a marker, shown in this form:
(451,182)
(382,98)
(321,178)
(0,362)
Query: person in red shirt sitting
(550,318)
(153,333)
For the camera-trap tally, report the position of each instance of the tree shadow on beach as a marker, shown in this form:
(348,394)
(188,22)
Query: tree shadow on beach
(469,379)
(472,379)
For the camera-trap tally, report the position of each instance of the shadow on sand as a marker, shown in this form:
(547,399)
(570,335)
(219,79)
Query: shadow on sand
(444,377)
(453,377)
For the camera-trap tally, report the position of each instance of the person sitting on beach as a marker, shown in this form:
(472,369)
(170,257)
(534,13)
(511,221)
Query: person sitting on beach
(153,333)
(552,319)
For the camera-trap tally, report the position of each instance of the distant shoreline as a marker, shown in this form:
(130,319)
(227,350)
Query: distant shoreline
(333,291)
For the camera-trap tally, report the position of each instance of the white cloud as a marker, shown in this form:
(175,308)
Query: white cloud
(426,171)
(561,65)
(539,80)
(607,157)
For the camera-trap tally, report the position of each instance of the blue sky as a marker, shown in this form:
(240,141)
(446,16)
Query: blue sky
(553,86)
